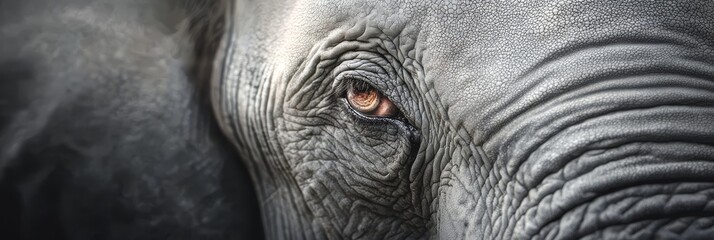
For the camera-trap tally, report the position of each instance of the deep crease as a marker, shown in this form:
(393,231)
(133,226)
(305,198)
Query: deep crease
(594,79)
(565,211)
(675,217)
(583,201)
(579,153)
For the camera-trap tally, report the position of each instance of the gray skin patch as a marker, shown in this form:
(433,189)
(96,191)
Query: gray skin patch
(521,119)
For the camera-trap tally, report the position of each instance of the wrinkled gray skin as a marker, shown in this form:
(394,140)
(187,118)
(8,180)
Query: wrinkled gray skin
(524,119)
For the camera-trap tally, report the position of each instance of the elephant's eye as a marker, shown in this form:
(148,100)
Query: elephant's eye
(367,100)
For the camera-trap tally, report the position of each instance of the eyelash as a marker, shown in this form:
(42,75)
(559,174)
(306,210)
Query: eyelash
(358,84)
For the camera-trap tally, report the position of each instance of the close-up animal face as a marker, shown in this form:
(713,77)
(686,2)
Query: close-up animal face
(358,119)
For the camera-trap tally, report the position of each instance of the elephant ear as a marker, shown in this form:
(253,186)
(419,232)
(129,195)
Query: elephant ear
(12,75)
(103,130)
(27,105)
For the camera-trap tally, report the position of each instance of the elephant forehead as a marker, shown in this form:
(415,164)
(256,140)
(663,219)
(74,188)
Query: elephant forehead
(467,36)
(475,54)
(492,61)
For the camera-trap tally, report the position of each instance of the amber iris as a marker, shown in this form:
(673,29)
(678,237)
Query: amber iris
(369,101)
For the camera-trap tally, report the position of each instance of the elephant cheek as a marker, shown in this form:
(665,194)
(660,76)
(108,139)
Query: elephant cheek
(461,215)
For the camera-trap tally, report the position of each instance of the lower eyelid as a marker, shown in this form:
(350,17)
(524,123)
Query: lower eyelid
(386,108)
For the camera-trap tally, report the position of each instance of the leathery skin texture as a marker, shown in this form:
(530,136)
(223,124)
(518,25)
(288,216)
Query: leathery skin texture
(230,119)
(521,119)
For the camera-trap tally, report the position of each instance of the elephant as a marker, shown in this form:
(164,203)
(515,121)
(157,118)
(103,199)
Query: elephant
(569,119)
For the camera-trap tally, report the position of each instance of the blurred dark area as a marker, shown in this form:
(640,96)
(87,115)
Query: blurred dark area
(105,127)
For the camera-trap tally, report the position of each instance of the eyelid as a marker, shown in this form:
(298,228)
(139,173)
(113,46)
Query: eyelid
(345,79)
(365,70)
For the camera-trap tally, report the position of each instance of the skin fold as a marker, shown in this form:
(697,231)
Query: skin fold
(232,119)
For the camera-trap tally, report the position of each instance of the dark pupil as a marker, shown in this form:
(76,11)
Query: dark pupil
(361,86)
